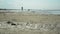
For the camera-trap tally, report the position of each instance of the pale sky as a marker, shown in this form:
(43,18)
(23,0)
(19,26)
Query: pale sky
(30,4)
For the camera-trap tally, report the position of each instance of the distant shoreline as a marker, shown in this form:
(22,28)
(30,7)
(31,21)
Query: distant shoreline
(33,9)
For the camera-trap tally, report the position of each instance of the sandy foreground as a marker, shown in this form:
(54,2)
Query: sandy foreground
(29,23)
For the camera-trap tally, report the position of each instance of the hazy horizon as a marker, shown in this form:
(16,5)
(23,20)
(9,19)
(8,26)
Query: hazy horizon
(30,4)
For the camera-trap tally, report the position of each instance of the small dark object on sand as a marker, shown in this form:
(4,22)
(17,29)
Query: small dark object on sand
(13,24)
(9,22)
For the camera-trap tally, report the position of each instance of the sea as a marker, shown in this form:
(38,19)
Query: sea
(35,11)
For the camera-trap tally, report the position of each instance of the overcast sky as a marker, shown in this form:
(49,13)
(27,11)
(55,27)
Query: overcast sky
(30,4)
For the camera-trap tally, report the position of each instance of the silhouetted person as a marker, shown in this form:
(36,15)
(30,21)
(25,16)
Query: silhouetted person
(22,8)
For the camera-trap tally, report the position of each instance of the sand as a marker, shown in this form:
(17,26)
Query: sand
(31,18)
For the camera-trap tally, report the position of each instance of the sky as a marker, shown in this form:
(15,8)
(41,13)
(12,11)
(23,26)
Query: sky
(30,4)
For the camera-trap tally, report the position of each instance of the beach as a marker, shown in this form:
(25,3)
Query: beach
(29,23)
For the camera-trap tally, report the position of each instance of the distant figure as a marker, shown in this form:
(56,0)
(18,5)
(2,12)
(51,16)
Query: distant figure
(22,8)
(28,9)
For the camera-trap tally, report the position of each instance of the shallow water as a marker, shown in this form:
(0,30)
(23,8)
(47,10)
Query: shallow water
(34,11)
(49,12)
